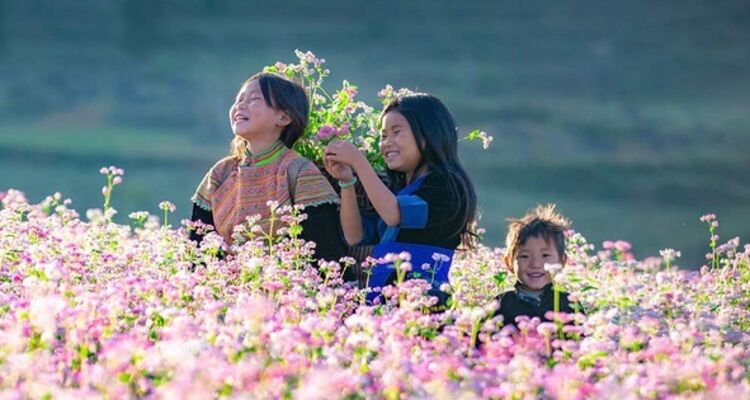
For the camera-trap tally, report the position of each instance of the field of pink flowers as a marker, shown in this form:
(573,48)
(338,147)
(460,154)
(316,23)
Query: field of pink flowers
(90,308)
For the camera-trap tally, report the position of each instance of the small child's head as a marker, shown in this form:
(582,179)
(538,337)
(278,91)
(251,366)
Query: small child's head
(420,134)
(268,104)
(536,239)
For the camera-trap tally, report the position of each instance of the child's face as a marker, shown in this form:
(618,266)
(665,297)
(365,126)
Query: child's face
(250,116)
(530,260)
(397,144)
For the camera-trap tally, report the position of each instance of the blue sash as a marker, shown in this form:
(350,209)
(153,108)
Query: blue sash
(431,263)
(426,262)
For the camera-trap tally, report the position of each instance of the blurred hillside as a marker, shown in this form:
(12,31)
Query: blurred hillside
(633,116)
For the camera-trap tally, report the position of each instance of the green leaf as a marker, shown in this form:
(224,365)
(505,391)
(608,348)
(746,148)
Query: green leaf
(500,278)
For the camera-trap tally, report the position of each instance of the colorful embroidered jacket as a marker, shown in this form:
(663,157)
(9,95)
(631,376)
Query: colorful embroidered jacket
(233,190)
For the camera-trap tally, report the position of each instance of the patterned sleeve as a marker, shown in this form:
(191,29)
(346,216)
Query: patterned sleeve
(312,188)
(213,178)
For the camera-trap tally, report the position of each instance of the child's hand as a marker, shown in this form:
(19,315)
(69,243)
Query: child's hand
(338,170)
(344,152)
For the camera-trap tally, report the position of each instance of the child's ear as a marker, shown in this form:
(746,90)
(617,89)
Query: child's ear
(283,119)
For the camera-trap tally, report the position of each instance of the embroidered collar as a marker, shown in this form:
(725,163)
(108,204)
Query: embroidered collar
(266,156)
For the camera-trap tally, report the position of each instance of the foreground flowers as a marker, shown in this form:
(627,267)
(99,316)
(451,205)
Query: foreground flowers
(91,308)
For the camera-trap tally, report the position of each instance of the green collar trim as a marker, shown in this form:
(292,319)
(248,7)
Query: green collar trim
(266,156)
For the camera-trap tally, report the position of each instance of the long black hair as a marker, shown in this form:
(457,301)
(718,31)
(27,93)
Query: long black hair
(436,135)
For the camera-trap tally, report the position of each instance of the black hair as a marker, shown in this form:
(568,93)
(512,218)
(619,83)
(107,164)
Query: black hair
(436,135)
(282,94)
(544,221)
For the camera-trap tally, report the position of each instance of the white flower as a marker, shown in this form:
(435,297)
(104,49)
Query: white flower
(553,269)
(486,139)
(670,254)
(138,215)
(167,206)
(43,312)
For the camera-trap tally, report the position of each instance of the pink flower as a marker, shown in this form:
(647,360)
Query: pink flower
(326,132)
(623,246)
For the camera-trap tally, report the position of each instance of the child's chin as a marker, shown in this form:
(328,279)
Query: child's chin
(242,135)
(392,166)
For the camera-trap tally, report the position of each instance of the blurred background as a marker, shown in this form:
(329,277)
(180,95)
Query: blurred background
(632,116)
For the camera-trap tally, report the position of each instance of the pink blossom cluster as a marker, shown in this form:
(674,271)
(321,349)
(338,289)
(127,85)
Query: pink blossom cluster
(98,309)
(328,132)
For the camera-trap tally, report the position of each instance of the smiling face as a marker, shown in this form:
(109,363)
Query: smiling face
(398,145)
(530,260)
(251,116)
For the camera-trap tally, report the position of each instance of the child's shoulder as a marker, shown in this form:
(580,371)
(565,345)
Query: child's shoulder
(509,303)
(437,174)
(443,179)
(226,161)
(510,295)
(221,166)
(304,165)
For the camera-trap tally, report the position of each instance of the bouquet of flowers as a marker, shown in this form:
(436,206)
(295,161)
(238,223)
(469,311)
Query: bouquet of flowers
(339,114)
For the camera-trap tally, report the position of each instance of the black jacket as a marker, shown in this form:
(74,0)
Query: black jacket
(511,306)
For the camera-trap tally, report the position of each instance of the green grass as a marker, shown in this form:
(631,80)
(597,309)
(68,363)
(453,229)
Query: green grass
(114,142)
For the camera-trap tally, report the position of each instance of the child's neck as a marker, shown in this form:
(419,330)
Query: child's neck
(261,144)
(415,174)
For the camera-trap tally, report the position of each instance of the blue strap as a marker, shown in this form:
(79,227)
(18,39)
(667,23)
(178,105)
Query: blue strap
(414,212)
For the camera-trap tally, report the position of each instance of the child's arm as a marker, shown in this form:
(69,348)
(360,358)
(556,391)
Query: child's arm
(351,222)
(380,196)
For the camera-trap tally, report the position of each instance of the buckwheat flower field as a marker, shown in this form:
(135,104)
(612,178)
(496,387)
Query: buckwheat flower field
(94,309)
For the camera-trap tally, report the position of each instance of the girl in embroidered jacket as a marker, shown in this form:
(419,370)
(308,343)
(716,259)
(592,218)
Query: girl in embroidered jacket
(430,206)
(269,114)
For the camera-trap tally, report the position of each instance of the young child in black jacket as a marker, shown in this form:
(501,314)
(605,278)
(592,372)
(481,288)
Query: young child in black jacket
(533,241)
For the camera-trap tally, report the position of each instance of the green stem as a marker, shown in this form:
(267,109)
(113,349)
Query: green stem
(400,275)
(269,235)
(108,195)
(367,284)
(556,307)
(474,333)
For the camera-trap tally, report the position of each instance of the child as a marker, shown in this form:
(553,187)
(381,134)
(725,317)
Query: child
(269,114)
(430,204)
(538,238)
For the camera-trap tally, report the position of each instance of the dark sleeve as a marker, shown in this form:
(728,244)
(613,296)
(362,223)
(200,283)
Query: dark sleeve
(442,221)
(322,227)
(369,228)
(205,216)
